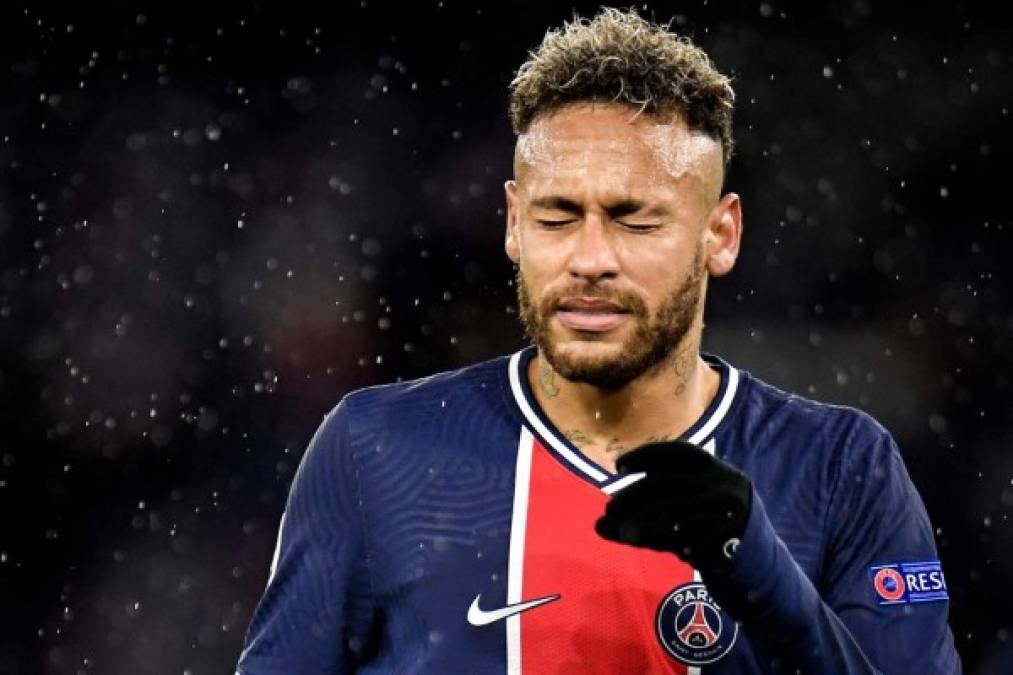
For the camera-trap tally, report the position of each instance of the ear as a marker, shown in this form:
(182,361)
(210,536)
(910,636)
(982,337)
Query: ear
(723,235)
(513,242)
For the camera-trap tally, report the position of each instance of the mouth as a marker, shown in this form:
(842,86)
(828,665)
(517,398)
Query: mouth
(592,315)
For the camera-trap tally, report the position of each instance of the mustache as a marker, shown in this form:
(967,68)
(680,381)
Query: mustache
(626,300)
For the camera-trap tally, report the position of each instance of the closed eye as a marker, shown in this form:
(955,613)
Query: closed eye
(554,223)
(639,227)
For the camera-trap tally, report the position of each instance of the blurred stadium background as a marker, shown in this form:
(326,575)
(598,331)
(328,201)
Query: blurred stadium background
(215,219)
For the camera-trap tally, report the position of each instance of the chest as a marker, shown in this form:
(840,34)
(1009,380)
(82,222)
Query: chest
(492,556)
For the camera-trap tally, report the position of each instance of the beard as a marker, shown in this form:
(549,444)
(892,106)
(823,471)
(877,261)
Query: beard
(652,341)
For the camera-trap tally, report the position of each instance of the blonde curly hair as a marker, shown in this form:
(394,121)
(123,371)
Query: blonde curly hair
(620,57)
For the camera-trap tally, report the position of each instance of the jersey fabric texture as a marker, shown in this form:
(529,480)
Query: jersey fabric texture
(446,526)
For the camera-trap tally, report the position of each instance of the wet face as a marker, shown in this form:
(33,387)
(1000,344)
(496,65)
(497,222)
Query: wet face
(614,223)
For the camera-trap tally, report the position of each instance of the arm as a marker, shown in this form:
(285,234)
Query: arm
(877,519)
(875,514)
(303,623)
(764,589)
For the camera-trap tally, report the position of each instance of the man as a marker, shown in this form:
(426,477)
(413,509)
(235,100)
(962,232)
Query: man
(610,500)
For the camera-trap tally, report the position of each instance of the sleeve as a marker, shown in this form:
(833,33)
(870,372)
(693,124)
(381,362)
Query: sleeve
(301,624)
(876,520)
(882,574)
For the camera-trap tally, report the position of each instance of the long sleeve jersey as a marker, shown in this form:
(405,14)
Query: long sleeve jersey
(446,526)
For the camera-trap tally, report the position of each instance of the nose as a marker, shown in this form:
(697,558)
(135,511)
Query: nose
(594,256)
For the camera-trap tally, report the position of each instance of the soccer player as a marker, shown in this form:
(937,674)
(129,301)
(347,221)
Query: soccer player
(609,500)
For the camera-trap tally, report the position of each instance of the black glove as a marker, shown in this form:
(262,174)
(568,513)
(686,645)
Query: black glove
(689,503)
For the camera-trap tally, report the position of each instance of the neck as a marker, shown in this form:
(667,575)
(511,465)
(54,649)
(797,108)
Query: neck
(661,404)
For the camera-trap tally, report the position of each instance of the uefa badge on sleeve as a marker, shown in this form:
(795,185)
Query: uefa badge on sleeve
(692,627)
(904,583)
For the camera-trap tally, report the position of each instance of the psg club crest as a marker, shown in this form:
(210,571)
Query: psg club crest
(693,628)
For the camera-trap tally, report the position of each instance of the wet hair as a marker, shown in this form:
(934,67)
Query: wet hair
(619,57)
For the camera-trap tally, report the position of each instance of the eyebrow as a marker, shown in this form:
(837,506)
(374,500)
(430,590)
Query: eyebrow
(557,204)
(618,209)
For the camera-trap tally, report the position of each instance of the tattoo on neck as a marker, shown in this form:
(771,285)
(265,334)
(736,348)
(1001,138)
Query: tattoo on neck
(614,446)
(578,438)
(682,364)
(547,380)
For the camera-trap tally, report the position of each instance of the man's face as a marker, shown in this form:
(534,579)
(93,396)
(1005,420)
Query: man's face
(613,222)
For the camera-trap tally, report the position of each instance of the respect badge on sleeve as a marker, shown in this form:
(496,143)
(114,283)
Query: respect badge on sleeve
(902,583)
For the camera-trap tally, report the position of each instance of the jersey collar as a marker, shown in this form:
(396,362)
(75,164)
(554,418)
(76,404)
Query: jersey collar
(699,433)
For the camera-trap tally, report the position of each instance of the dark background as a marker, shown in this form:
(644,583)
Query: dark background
(217,219)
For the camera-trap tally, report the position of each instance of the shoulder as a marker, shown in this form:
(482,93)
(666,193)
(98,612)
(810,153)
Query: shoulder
(786,437)
(769,411)
(416,402)
(437,387)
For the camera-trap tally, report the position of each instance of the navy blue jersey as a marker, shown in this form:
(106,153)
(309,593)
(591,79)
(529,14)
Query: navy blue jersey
(446,526)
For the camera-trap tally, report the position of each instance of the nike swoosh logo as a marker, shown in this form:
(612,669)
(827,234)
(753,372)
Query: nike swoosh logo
(480,617)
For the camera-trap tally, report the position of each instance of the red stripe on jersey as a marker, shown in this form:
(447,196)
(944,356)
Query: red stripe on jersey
(603,623)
